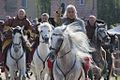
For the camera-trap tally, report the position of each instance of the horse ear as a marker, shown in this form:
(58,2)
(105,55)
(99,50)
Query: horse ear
(38,28)
(22,29)
(11,29)
(65,27)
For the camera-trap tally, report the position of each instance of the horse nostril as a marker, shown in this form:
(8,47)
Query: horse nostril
(46,39)
(108,39)
(16,49)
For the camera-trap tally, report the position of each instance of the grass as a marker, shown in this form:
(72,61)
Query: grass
(113,78)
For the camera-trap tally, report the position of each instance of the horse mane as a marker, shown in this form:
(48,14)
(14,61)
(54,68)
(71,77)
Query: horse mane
(79,38)
(45,24)
(99,25)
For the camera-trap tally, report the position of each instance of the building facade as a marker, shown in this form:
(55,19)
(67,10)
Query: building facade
(10,8)
(84,7)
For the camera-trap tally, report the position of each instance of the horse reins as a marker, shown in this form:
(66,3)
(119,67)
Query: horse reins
(65,74)
(65,54)
(16,60)
(43,61)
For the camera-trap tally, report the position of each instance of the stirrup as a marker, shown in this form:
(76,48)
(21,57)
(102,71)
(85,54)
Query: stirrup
(28,66)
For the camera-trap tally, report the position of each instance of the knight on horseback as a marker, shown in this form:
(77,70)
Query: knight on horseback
(91,29)
(70,16)
(20,20)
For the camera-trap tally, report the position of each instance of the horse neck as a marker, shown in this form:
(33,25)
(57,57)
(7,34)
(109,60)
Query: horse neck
(95,41)
(43,49)
(40,38)
(98,44)
(16,54)
(67,60)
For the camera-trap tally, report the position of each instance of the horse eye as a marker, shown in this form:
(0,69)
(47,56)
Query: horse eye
(41,31)
(48,30)
(54,34)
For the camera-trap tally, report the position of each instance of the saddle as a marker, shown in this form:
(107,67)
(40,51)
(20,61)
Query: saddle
(6,43)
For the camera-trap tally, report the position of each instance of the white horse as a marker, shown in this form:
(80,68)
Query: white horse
(39,66)
(16,57)
(70,49)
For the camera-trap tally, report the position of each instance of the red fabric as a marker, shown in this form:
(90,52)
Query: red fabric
(87,63)
(50,64)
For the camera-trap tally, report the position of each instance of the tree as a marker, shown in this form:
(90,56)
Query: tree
(43,6)
(109,11)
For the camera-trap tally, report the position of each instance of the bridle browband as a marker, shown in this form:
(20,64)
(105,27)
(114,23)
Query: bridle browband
(42,39)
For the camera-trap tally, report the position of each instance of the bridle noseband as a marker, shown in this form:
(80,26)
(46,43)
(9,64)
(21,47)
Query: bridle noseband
(56,50)
(43,38)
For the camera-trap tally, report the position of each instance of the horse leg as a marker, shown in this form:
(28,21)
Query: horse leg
(22,74)
(109,59)
(7,76)
(90,74)
(98,63)
(38,77)
(12,74)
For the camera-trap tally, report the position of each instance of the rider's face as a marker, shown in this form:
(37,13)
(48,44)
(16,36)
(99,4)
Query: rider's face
(92,21)
(71,13)
(21,15)
(44,19)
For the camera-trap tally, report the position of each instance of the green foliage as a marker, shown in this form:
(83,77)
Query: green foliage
(43,6)
(109,11)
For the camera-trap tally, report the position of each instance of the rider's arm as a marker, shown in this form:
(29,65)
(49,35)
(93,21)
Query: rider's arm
(7,25)
(57,19)
(82,24)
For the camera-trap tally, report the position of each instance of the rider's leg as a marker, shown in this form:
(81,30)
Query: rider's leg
(0,52)
(90,74)
(4,56)
(28,58)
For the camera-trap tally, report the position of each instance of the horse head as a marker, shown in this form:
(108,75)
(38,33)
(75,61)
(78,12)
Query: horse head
(17,34)
(44,32)
(60,41)
(101,34)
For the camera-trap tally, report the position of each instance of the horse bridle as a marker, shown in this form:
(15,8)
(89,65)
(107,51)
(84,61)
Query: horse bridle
(16,60)
(101,35)
(65,74)
(60,44)
(57,50)
(43,38)
(96,35)
(43,61)
(15,44)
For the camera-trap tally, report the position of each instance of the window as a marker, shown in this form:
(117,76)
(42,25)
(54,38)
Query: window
(24,3)
(82,2)
(10,5)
